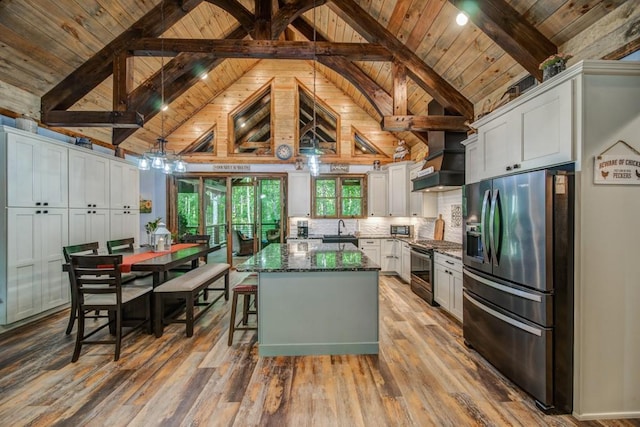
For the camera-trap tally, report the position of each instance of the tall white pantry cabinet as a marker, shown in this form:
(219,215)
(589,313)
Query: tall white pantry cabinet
(52,195)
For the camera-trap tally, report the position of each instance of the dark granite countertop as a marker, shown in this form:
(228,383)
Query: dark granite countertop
(303,256)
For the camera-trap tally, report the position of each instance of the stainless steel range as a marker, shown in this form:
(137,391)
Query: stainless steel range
(422,266)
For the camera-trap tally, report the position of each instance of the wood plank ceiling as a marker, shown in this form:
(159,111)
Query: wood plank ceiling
(68,52)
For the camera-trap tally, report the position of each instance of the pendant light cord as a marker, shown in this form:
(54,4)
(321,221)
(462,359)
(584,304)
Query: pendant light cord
(162,78)
(314,137)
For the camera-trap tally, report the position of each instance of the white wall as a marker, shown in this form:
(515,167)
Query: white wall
(153,186)
(607,350)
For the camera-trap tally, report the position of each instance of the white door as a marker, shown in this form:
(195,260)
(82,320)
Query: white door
(53,230)
(88,180)
(23,264)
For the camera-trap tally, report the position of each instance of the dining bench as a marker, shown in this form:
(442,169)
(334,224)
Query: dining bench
(189,287)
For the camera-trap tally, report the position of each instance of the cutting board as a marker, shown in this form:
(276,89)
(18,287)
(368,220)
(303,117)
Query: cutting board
(438,233)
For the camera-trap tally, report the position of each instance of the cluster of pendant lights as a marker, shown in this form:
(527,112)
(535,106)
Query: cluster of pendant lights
(313,160)
(157,157)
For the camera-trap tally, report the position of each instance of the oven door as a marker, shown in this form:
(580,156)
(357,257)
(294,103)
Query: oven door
(422,275)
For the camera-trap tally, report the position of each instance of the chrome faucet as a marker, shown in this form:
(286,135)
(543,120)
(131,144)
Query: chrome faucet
(340,222)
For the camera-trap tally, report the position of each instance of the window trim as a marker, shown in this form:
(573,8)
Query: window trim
(339,178)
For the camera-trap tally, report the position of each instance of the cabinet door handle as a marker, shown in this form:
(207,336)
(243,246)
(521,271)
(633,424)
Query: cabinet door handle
(38,212)
(38,204)
(449,262)
(508,168)
(45,204)
(89,205)
(88,212)
(94,212)
(516,166)
(45,212)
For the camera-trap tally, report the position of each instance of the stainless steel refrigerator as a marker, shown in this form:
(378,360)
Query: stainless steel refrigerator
(518,280)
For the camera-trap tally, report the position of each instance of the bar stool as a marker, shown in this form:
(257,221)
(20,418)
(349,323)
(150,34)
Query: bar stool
(247,287)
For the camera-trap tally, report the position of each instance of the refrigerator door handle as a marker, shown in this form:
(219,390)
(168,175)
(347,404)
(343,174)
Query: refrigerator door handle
(506,319)
(483,227)
(503,288)
(493,233)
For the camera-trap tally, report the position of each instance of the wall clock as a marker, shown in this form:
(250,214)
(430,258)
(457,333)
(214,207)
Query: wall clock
(284,152)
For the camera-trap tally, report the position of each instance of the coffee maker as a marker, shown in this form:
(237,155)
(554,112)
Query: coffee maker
(303,229)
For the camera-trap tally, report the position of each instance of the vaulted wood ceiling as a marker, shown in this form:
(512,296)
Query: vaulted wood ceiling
(96,64)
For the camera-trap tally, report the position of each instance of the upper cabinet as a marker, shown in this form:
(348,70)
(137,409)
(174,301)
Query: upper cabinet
(125,185)
(532,132)
(377,193)
(88,180)
(36,171)
(398,179)
(421,203)
(299,194)
(471,163)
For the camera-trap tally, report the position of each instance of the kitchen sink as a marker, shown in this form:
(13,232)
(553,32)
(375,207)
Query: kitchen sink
(340,238)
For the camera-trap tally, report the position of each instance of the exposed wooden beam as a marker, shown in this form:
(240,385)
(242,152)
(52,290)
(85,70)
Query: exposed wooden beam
(113,119)
(122,79)
(421,73)
(262,29)
(93,72)
(178,78)
(425,123)
(238,11)
(288,12)
(268,49)
(509,30)
(377,96)
(399,89)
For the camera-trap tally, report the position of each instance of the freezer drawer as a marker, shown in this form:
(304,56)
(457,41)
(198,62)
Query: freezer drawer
(519,349)
(527,303)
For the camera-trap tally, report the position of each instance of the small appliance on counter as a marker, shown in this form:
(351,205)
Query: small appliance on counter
(303,229)
(401,230)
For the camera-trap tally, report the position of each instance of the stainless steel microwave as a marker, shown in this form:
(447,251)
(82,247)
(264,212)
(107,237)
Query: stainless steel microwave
(402,230)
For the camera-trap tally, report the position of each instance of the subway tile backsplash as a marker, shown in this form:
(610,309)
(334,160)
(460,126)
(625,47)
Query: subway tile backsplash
(449,205)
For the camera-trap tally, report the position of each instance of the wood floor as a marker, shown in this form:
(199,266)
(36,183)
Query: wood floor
(424,375)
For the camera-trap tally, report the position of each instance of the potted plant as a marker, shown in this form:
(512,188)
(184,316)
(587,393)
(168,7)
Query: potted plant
(150,227)
(554,65)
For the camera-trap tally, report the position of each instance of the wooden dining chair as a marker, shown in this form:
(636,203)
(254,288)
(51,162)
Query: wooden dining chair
(98,285)
(121,245)
(125,246)
(67,251)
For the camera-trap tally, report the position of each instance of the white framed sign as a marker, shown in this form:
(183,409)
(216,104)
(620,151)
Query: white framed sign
(617,168)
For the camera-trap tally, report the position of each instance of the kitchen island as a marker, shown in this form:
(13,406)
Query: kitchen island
(315,299)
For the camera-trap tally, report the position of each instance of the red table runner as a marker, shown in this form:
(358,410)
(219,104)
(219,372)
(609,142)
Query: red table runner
(129,260)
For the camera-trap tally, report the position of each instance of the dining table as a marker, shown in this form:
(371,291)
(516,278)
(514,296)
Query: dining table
(160,263)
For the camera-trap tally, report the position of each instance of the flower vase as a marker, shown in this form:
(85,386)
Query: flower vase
(553,69)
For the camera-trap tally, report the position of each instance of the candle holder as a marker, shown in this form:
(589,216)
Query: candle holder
(161,239)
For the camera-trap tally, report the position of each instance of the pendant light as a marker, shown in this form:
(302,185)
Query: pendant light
(313,160)
(157,157)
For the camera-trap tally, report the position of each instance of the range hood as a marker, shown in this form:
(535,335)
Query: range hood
(444,167)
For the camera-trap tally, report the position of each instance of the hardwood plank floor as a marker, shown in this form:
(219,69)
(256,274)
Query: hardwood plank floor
(424,375)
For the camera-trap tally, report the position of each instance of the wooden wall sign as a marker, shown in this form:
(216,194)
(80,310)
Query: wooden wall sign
(617,168)
(339,167)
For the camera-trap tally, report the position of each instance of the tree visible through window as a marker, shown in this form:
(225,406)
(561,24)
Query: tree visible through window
(339,196)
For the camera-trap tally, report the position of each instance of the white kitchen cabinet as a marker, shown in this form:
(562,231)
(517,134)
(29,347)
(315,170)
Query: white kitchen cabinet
(89,180)
(124,223)
(371,248)
(405,271)
(299,194)
(448,284)
(36,171)
(533,132)
(422,204)
(89,225)
(471,156)
(398,188)
(377,193)
(35,280)
(389,255)
(124,186)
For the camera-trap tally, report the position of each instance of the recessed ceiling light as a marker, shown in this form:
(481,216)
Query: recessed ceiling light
(462,19)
